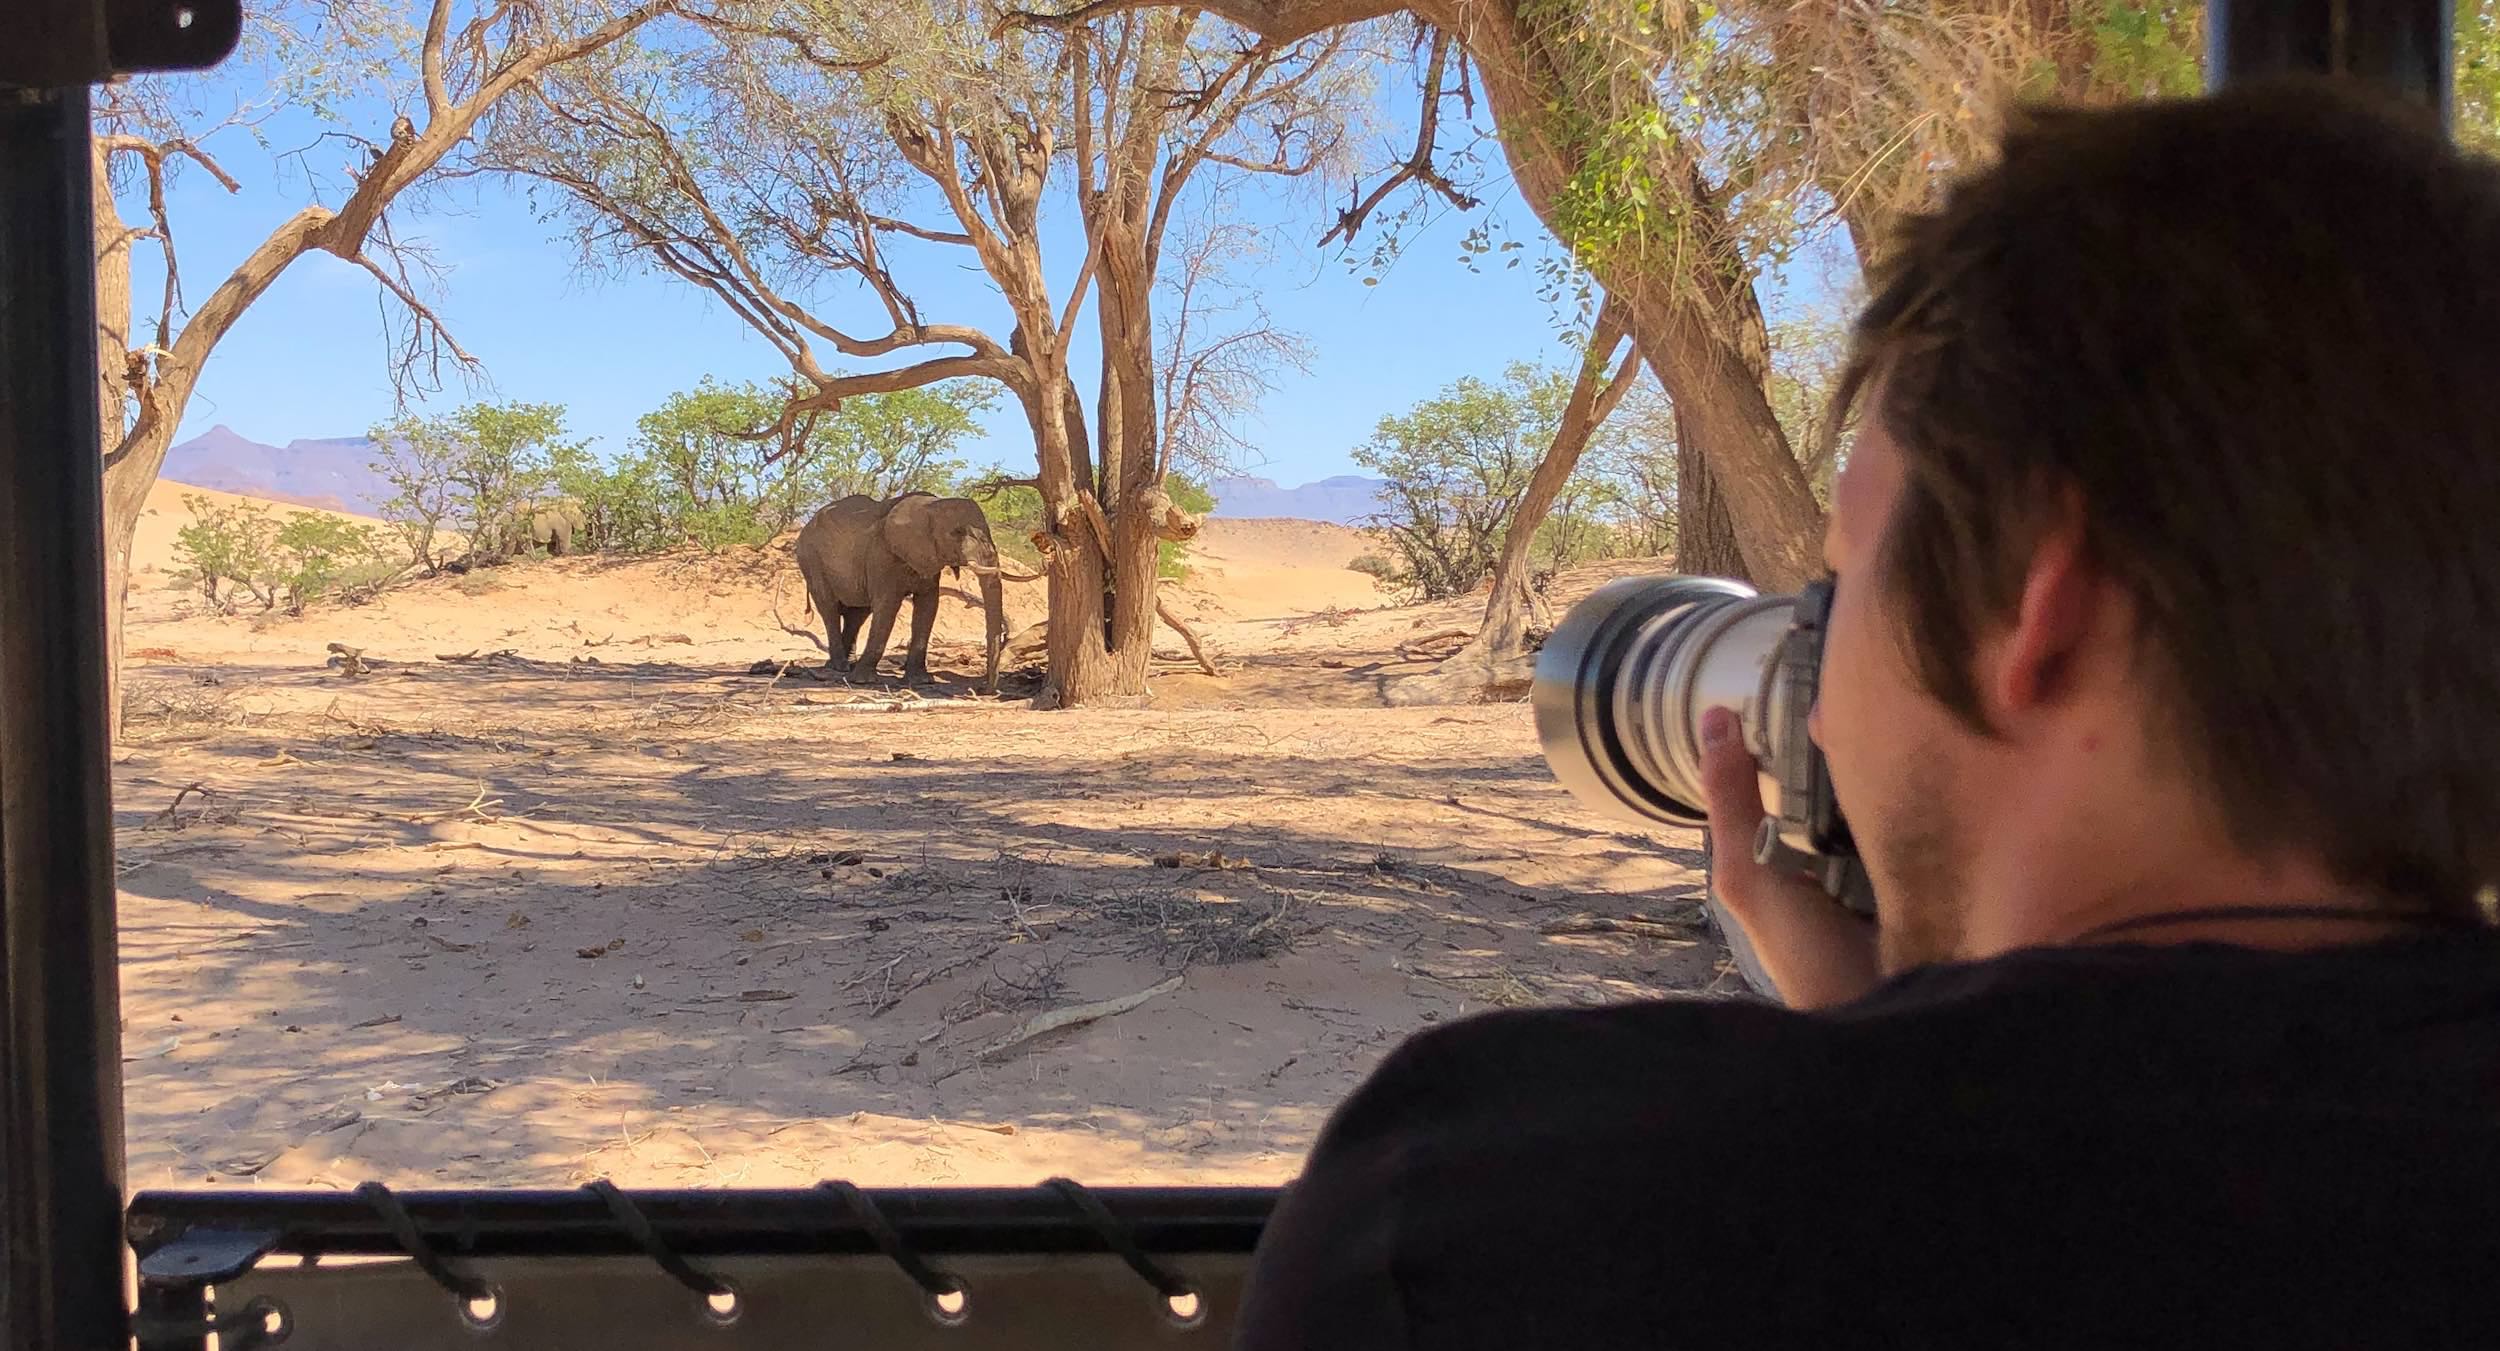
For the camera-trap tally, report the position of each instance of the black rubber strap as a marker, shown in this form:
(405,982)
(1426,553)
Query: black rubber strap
(630,1217)
(240,1330)
(412,1241)
(889,1240)
(1122,1240)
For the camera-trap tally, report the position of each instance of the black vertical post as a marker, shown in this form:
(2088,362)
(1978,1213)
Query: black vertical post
(2403,47)
(60,1042)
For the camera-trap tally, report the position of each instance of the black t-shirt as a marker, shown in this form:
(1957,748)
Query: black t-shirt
(2196,1146)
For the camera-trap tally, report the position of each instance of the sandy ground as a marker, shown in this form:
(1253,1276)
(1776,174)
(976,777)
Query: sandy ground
(595,901)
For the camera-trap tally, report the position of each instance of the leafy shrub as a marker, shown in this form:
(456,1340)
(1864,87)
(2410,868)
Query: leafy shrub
(321,553)
(1172,557)
(1456,465)
(1380,570)
(720,466)
(229,542)
(311,555)
(470,470)
(357,583)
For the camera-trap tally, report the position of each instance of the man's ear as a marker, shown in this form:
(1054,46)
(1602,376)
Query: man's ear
(2033,665)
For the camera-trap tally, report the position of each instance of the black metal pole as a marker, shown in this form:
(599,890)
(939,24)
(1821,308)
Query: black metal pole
(2404,47)
(60,1043)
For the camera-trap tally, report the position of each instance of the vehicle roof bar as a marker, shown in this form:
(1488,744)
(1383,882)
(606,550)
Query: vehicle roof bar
(2402,46)
(61,1183)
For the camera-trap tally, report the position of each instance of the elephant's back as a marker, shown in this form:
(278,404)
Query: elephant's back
(842,518)
(830,547)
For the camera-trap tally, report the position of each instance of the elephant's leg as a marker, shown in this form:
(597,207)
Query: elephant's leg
(924,605)
(852,617)
(880,630)
(837,631)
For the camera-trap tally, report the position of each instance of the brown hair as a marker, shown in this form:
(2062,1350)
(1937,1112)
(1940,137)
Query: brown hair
(2255,337)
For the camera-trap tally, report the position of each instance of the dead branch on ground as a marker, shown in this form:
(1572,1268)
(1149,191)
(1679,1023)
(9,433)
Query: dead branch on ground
(1075,1015)
(1163,609)
(1434,646)
(1672,933)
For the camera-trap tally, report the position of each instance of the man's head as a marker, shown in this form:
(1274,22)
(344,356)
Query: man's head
(2168,556)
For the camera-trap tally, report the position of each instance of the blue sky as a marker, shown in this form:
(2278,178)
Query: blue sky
(310,358)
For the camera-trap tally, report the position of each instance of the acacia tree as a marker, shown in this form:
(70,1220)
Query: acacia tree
(1669,143)
(1159,98)
(1495,657)
(755,153)
(465,59)
(1595,152)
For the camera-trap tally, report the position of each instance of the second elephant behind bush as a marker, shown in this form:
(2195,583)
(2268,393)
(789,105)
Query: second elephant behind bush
(553,524)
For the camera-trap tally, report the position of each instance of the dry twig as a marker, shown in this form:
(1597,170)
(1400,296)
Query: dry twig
(1075,1015)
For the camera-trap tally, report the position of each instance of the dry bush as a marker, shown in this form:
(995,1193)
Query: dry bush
(170,710)
(1178,926)
(1182,928)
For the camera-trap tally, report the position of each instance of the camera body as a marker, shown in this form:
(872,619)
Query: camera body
(1623,683)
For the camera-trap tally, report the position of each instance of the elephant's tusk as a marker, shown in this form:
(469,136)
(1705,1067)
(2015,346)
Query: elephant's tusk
(1004,575)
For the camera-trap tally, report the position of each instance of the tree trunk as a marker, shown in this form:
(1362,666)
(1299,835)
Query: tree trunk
(1493,660)
(1691,313)
(1705,537)
(1080,667)
(112,307)
(1125,283)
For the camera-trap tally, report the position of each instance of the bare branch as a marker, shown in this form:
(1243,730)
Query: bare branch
(430,60)
(919,231)
(428,340)
(1084,279)
(801,42)
(1197,649)
(999,483)
(1276,20)
(156,151)
(1418,167)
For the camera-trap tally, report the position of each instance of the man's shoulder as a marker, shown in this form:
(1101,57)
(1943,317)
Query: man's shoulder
(1526,1151)
(1490,1082)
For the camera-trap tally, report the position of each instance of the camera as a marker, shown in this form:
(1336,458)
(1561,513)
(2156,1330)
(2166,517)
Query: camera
(1620,690)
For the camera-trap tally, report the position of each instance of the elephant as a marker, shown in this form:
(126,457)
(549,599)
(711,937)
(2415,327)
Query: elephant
(863,557)
(552,524)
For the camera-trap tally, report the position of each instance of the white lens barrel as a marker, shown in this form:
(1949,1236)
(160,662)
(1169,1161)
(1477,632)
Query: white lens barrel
(1623,683)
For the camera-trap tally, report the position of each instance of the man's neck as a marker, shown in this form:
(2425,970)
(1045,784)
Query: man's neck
(2145,874)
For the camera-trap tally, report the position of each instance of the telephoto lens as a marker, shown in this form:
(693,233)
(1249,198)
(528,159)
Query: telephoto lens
(1622,686)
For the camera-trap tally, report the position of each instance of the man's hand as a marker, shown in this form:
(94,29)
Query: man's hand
(1813,949)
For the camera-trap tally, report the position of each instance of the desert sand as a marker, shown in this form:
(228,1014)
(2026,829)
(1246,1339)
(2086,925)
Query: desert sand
(554,888)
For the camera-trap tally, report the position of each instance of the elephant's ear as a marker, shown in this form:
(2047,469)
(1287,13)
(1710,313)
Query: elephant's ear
(913,532)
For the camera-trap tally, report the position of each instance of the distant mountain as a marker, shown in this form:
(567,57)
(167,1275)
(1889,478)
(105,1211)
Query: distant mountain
(331,472)
(1346,499)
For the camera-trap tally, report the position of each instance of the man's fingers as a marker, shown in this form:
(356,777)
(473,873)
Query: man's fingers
(1728,779)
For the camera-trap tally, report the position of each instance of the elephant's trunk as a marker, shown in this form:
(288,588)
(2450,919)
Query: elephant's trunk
(994,609)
